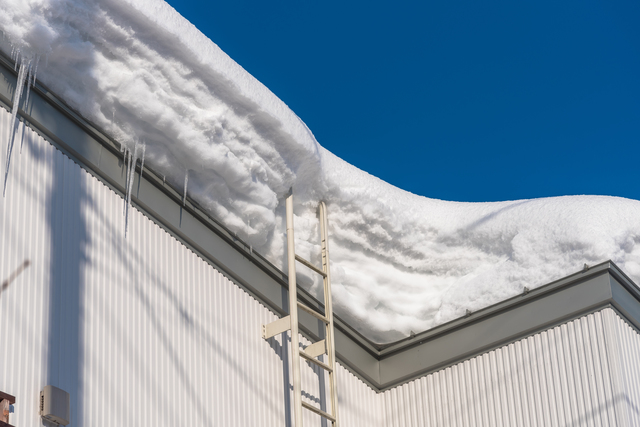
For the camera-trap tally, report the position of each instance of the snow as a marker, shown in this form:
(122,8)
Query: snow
(400,262)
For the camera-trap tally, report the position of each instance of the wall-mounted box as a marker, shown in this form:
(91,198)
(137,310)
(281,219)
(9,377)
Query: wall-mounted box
(55,405)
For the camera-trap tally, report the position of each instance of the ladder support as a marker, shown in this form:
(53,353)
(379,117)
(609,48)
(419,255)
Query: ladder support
(277,327)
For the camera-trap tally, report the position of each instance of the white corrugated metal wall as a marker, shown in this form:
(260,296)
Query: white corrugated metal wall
(624,342)
(141,331)
(583,372)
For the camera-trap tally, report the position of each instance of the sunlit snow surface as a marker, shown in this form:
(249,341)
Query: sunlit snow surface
(400,262)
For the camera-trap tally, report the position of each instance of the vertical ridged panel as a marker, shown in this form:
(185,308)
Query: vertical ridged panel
(558,377)
(140,330)
(24,236)
(623,343)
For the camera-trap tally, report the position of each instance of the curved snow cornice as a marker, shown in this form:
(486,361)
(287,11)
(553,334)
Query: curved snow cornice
(400,262)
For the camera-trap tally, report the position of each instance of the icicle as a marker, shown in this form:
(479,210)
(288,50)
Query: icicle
(31,81)
(24,125)
(126,152)
(35,71)
(130,171)
(13,127)
(26,99)
(132,168)
(144,149)
(184,195)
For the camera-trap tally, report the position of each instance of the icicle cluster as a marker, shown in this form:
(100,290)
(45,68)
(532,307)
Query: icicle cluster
(130,161)
(26,72)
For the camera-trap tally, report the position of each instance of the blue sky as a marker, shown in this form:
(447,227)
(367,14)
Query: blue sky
(457,100)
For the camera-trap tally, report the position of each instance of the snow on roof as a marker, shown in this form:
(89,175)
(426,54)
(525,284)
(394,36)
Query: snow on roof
(400,262)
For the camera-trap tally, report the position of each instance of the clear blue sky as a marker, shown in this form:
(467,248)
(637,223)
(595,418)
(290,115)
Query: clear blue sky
(457,100)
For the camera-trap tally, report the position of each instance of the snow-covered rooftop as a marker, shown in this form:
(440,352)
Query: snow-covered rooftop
(400,262)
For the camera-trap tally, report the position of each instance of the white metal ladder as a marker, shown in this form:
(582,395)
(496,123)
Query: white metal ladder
(290,322)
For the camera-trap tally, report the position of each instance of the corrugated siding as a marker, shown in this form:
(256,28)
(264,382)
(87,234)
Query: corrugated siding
(624,342)
(140,331)
(24,236)
(559,377)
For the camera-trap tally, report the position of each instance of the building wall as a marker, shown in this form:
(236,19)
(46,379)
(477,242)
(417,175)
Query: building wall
(625,357)
(140,330)
(583,372)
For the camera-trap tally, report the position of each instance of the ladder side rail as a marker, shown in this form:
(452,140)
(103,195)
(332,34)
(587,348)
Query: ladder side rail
(293,313)
(328,309)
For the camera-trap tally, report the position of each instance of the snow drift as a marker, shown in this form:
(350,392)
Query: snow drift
(400,262)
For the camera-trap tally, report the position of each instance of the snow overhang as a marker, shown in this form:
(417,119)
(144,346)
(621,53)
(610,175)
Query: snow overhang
(381,366)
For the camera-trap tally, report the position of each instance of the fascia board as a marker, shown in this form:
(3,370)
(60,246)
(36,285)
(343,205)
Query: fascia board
(492,331)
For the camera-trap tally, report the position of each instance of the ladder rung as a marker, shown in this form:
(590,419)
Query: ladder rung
(316,361)
(318,411)
(277,327)
(312,312)
(311,266)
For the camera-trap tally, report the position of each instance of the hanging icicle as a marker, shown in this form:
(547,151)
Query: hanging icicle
(144,149)
(132,168)
(129,185)
(15,59)
(184,195)
(13,126)
(31,80)
(126,154)
(35,71)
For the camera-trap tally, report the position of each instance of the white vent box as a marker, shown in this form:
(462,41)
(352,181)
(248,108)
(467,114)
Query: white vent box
(55,405)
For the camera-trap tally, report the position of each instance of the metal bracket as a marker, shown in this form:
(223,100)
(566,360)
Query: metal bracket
(277,327)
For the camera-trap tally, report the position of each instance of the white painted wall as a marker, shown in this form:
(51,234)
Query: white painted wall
(582,373)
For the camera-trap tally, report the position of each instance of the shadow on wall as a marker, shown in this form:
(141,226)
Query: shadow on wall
(68,232)
(13,276)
